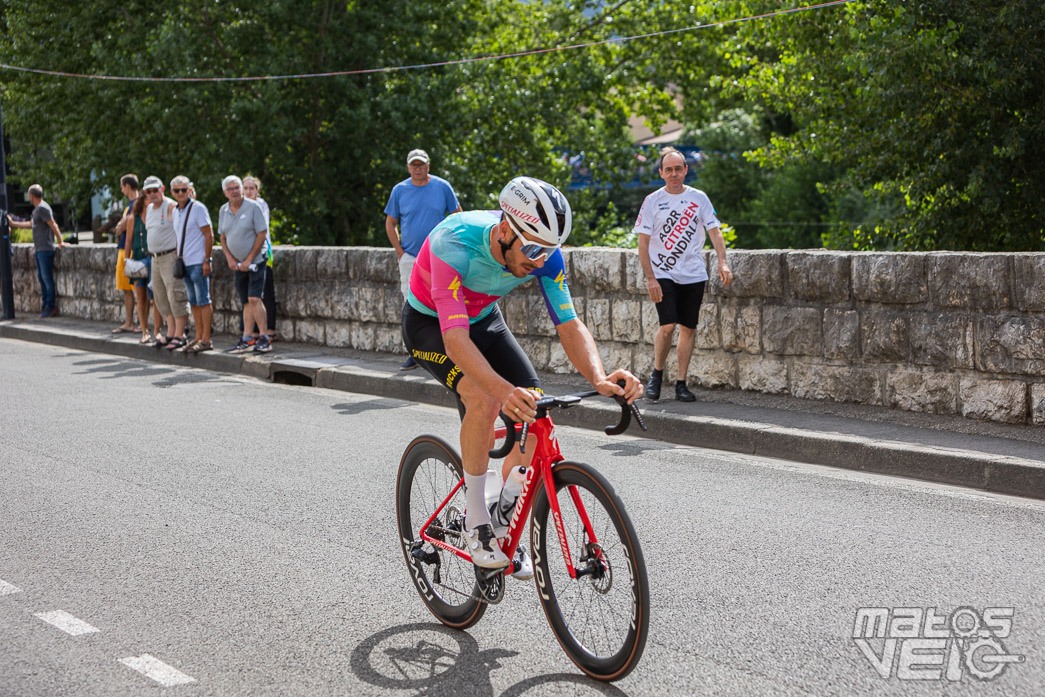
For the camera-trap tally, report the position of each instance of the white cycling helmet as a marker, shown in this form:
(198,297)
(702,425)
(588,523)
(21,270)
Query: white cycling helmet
(538,209)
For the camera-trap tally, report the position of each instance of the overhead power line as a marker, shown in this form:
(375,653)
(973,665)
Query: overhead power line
(461,61)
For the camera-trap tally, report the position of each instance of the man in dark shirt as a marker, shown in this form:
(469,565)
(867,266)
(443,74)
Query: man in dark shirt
(44,228)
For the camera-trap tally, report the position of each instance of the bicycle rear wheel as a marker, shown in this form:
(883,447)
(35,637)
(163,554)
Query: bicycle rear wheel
(600,618)
(428,472)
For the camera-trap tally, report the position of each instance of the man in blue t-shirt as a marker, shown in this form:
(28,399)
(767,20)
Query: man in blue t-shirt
(415,207)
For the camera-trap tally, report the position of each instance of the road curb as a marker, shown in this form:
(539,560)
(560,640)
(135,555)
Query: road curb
(966,468)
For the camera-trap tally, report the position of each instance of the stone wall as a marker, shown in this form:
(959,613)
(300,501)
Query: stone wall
(946,333)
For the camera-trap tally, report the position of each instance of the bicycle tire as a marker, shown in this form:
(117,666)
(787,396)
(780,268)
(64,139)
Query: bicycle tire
(600,622)
(429,470)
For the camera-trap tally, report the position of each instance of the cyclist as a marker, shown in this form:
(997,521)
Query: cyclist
(453,328)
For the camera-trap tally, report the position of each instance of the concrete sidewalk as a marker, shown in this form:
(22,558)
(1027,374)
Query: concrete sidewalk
(944,449)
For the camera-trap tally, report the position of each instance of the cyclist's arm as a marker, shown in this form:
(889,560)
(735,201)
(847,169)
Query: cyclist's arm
(580,348)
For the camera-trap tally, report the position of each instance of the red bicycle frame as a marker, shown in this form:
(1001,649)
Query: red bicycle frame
(546,453)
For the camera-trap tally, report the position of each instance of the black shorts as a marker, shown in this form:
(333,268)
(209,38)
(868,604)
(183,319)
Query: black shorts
(681,303)
(424,341)
(250,284)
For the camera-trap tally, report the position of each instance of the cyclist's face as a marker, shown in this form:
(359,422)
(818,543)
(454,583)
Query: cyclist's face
(518,259)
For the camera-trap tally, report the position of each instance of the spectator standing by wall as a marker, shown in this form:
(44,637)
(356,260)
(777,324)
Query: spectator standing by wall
(168,292)
(137,248)
(671,228)
(251,190)
(45,232)
(415,207)
(196,241)
(243,231)
(129,187)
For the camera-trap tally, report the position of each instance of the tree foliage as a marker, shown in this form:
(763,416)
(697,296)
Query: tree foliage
(920,120)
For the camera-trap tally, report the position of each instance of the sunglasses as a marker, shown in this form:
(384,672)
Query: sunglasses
(152,191)
(181,190)
(533,251)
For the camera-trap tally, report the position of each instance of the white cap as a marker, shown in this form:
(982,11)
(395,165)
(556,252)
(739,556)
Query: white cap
(152,183)
(417,154)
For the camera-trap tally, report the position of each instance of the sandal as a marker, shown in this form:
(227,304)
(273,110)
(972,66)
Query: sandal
(161,341)
(125,330)
(200,347)
(175,343)
(146,339)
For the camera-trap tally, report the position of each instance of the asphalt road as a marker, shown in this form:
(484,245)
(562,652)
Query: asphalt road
(214,535)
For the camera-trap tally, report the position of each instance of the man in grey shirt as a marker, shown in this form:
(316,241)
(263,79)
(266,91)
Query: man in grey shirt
(44,228)
(243,231)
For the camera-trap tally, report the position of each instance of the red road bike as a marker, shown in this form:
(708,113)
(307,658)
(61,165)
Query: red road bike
(592,584)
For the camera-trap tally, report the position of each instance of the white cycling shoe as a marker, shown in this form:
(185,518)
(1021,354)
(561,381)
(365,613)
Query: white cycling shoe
(482,545)
(522,564)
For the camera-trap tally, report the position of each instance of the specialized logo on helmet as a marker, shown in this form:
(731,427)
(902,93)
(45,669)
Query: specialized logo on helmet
(515,212)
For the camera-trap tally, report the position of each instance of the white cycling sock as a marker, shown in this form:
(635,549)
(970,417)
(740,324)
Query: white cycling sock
(475,497)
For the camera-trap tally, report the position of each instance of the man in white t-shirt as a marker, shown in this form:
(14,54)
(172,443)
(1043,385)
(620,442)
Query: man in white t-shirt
(671,228)
(195,237)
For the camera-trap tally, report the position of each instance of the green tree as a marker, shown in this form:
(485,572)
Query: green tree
(935,110)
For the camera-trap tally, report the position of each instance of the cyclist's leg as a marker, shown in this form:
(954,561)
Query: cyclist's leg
(507,358)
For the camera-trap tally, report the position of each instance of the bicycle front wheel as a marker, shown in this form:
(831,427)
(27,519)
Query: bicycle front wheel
(429,471)
(600,618)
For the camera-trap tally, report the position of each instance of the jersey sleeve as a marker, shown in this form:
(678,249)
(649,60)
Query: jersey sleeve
(709,217)
(556,292)
(392,208)
(448,267)
(644,223)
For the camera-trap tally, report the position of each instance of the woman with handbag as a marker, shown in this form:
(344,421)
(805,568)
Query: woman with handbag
(137,250)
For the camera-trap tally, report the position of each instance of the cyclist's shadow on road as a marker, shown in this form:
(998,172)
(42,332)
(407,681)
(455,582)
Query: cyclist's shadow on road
(431,660)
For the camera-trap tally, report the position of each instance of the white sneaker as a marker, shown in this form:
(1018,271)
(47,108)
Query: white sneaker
(483,547)
(522,564)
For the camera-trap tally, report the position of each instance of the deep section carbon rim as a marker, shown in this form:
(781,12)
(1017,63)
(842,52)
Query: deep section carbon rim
(430,469)
(600,618)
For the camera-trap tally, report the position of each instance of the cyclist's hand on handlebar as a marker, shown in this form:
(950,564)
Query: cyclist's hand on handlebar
(521,405)
(631,391)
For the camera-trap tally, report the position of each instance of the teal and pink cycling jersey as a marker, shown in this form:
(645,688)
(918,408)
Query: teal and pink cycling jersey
(456,278)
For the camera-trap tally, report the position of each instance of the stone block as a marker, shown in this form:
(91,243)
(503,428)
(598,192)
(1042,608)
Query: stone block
(539,322)
(922,391)
(762,374)
(741,327)
(627,320)
(598,268)
(339,334)
(650,322)
(634,278)
(599,319)
(1037,404)
(708,327)
(362,336)
(616,355)
(839,383)
(332,263)
(382,265)
(942,340)
(974,281)
(890,278)
(388,339)
(1010,344)
(841,334)
(819,276)
(1029,270)
(642,360)
(309,331)
(791,331)
(993,400)
(558,363)
(320,302)
(711,369)
(537,350)
(756,274)
(514,310)
(884,337)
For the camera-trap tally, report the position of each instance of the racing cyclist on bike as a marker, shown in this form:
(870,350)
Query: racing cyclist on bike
(454,329)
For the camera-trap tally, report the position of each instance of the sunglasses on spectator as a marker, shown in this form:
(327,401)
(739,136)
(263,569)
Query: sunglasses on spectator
(180,190)
(152,191)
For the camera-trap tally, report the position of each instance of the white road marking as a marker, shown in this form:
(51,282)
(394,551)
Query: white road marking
(66,622)
(155,669)
(7,589)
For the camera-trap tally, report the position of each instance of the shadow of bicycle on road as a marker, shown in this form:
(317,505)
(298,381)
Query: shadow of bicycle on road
(430,660)
(353,408)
